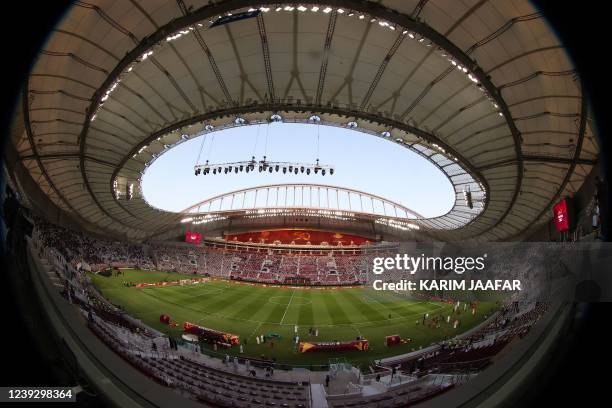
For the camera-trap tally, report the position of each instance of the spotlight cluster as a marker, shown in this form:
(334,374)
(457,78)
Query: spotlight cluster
(262,166)
(467,195)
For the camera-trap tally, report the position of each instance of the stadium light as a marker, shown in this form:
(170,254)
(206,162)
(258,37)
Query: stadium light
(467,194)
(264,166)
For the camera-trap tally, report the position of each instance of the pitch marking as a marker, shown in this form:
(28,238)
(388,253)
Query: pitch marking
(293,299)
(358,324)
(287,308)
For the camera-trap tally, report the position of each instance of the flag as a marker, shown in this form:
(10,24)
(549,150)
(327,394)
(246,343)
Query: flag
(193,237)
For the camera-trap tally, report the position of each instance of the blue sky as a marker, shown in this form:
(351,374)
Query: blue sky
(362,162)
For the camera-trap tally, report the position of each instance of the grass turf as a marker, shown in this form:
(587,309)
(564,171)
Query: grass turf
(248,311)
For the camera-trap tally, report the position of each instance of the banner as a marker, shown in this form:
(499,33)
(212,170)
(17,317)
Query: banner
(193,237)
(561,216)
(355,345)
(168,283)
(211,335)
(393,340)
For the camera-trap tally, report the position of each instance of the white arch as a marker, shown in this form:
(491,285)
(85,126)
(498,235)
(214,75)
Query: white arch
(302,196)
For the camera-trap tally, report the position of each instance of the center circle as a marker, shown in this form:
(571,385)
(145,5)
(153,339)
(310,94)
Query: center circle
(210,291)
(286,300)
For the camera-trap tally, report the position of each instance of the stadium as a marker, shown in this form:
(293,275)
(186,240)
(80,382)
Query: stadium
(248,276)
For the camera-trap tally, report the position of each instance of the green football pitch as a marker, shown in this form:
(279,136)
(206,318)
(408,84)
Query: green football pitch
(248,311)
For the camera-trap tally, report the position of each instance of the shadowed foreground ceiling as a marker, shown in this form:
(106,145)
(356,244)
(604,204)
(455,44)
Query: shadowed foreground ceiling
(487,83)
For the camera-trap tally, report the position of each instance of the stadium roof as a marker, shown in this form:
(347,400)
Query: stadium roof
(484,89)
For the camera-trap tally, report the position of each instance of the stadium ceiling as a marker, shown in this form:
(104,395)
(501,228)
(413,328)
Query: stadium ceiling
(486,83)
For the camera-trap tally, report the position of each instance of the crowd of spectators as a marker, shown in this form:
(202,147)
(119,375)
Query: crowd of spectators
(320,268)
(90,251)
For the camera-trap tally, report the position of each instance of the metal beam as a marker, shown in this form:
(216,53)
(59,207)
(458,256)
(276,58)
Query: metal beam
(261,27)
(331,26)
(64,155)
(381,70)
(213,66)
(540,159)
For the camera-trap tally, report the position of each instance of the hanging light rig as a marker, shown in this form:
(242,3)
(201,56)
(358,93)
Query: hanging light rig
(467,195)
(263,165)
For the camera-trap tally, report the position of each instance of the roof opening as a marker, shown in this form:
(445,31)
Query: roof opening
(361,162)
